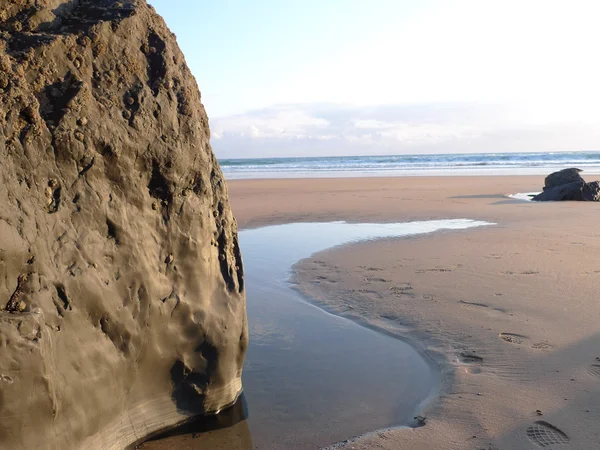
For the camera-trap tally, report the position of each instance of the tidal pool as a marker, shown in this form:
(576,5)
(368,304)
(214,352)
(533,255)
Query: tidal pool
(311,378)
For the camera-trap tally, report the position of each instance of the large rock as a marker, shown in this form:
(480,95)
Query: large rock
(561,177)
(122,298)
(569,191)
(567,184)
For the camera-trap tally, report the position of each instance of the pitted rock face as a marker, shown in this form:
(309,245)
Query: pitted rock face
(122,305)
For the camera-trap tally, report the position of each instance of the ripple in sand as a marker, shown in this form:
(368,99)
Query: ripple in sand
(594,370)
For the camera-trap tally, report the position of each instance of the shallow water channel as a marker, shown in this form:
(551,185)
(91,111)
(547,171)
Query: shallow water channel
(311,378)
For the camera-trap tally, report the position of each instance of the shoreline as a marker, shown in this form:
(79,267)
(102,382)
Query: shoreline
(434,359)
(265,202)
(495,293)
(426,345)
(420,164)
(262,176)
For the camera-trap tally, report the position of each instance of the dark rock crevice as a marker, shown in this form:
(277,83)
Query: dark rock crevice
(112,231)
(55,98)
(62,295)
(226,270)
(157,63)
(191,387)
(14,303)
(160,188)
(119,337)
(239,266)
(132,104)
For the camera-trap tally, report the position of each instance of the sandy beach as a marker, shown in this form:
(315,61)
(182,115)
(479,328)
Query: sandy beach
(509,312)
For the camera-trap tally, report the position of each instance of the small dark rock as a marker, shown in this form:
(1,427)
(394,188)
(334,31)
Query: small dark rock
(420,421)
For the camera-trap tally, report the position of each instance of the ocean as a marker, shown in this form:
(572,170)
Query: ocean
(411,165)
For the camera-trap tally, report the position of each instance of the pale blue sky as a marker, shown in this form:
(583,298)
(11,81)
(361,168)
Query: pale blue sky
(290,77)
(242,51)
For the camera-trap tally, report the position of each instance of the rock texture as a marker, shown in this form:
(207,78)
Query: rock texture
(561,177)
(122,306)
(567,184)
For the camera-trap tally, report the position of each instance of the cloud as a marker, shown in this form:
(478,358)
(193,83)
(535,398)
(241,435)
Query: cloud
(404,132)
(280,123)
(373,124)
(330,129)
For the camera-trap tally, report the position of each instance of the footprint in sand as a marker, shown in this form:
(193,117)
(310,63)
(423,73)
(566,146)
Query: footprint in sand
(371,269)
(513,338)
(402,289)
(473,362)
(493,256)
(482,305)
(527,272)
(545,435)
(375,280)
(545,345)
(594,370)
(467,358)
(436,269)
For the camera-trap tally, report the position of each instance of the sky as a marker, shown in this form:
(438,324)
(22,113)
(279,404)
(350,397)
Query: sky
(335,77)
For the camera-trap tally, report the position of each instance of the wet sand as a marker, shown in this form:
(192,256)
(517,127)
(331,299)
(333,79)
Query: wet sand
(522,296)
(509,313)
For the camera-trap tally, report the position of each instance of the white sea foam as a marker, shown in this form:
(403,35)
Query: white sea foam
(411,165)
(523,195)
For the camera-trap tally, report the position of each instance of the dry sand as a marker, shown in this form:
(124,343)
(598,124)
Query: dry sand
(510,312)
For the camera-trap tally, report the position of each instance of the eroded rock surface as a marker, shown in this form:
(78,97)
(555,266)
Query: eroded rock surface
(567,184)
(122,306)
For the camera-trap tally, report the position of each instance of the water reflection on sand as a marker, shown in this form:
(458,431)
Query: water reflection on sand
(312,378)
